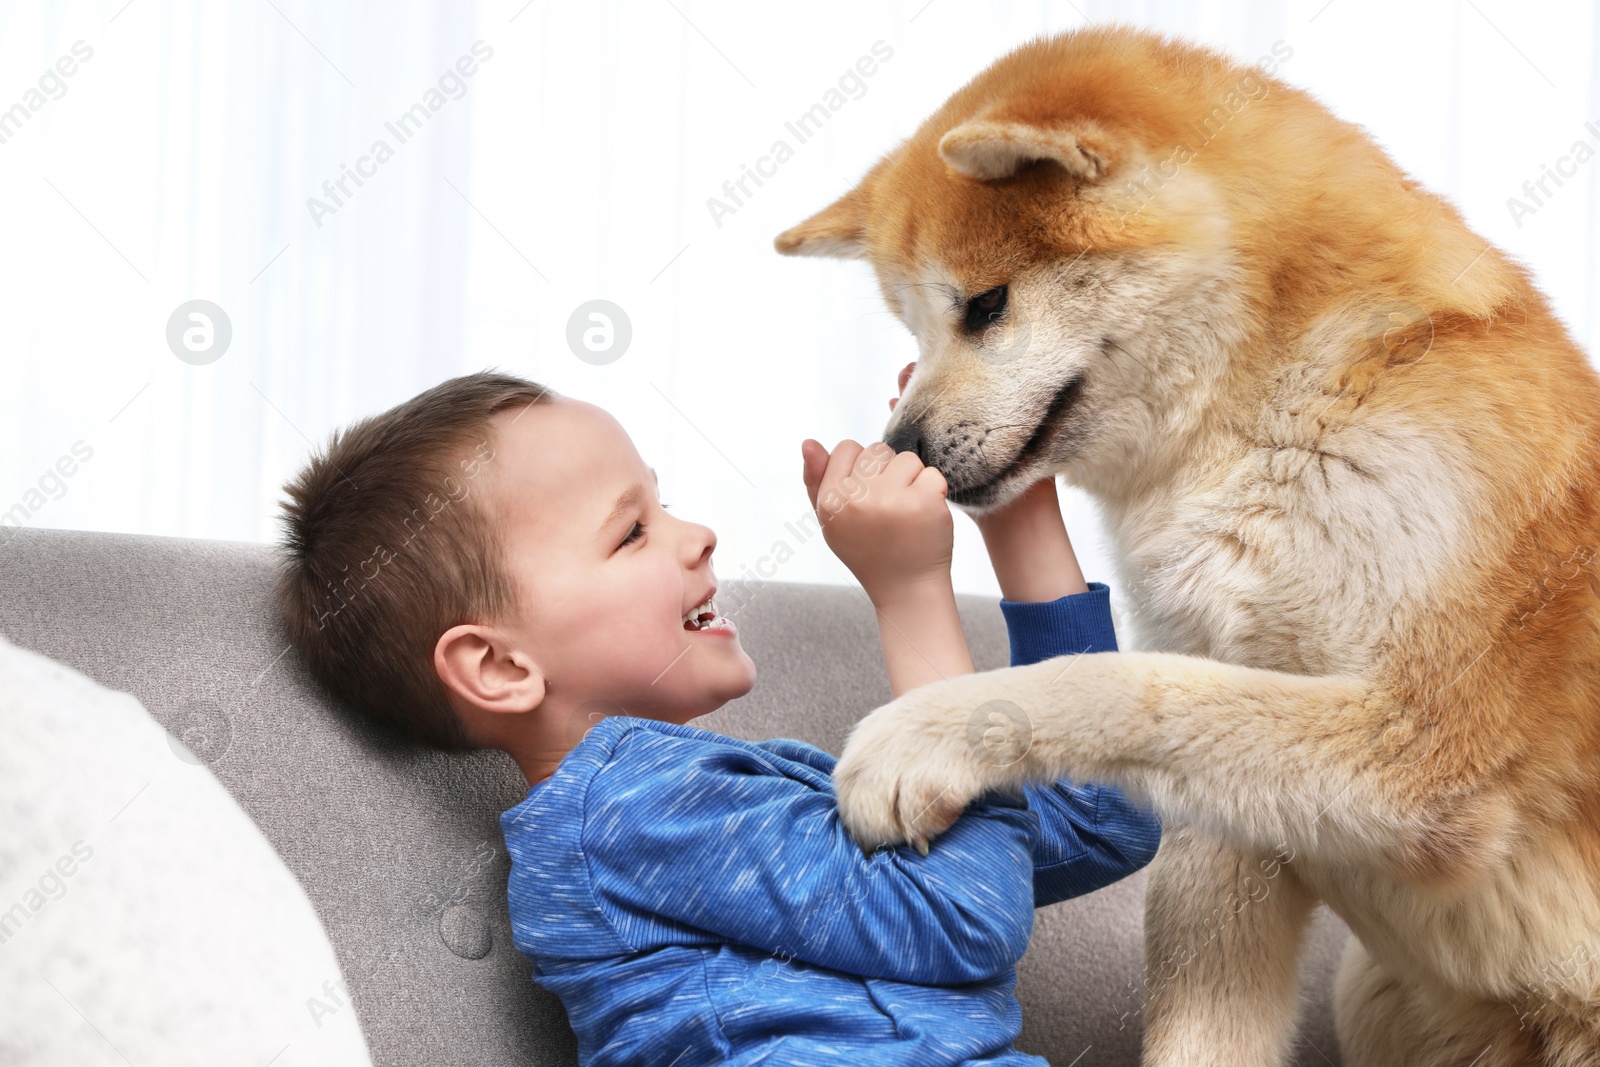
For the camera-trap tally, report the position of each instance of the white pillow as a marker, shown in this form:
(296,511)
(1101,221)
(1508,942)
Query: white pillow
(143,917)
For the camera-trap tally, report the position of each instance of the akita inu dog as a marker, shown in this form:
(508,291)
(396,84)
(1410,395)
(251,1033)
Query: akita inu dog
(1350,464)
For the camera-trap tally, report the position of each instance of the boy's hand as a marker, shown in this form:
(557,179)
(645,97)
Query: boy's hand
(884,515)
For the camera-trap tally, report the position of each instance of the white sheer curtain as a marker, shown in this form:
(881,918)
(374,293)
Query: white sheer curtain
(573,163)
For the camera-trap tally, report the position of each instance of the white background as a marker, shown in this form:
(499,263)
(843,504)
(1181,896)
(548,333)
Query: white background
(577,165)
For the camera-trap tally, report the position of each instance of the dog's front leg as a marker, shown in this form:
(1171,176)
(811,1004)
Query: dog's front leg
(1333,765)
(1223,931)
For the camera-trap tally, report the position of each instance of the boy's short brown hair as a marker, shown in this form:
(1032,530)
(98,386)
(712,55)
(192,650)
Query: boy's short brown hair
(386,546)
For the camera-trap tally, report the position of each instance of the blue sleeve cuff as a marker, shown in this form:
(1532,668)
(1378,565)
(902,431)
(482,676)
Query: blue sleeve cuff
(1079,622)
(1090,836)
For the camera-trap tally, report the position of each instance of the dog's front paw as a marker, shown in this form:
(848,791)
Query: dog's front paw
(911,767)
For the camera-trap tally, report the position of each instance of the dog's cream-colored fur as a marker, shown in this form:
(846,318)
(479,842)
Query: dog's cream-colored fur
(1350,463)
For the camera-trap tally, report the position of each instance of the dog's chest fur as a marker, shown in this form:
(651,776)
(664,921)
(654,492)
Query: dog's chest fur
(1295,547)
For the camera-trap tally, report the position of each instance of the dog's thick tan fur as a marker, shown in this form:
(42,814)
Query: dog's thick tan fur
(1350,463)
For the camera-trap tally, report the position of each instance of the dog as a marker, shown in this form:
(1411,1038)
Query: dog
(1349,461)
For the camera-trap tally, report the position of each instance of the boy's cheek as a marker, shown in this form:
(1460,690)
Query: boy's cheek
(630,636)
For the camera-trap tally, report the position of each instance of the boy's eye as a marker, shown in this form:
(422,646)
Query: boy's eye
(638,530)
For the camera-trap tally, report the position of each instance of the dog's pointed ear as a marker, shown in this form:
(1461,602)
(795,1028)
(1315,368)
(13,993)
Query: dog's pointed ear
(988,149)
(838,231)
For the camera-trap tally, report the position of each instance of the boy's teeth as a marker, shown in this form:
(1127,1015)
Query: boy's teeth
(703,616)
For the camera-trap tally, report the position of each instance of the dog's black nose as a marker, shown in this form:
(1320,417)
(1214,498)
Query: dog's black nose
(907,437)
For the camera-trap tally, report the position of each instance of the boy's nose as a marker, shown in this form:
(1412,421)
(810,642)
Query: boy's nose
(699,544)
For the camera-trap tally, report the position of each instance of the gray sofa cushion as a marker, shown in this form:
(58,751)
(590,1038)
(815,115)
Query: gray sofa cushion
(400,850)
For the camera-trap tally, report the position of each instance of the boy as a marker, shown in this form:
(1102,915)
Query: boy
(691,898)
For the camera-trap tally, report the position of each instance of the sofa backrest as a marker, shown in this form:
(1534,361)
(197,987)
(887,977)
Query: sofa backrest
(400,849)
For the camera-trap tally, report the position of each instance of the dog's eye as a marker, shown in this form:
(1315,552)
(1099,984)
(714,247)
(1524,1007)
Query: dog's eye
(985,309)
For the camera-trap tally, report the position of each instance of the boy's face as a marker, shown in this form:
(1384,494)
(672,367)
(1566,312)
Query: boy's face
(604,573)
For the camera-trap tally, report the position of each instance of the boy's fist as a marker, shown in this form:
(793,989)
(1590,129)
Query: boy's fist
(883,514)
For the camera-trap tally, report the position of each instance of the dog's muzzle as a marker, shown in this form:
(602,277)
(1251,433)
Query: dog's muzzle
(959,457)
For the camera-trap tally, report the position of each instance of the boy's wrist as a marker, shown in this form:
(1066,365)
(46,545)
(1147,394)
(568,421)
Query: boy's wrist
(921,632)
(1028,545)
(1042,570)
(931,590)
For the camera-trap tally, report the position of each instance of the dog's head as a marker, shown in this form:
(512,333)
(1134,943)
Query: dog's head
(1067,274)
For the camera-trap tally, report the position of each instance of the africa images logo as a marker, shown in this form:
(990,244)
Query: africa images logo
(804,127)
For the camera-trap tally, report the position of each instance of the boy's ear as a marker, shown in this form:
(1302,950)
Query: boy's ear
(837,231)
(990,149)
(483,669)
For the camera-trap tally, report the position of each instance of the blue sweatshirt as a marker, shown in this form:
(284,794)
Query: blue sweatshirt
(693,899)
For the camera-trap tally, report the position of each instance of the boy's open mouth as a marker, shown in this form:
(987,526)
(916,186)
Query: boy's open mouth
(704,616)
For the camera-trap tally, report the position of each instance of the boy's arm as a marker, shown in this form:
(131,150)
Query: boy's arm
(920,630)
(1089,835)
(714,838)
(885,516)
(1029,547)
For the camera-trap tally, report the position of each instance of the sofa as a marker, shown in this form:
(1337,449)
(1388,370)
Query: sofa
(399,849)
